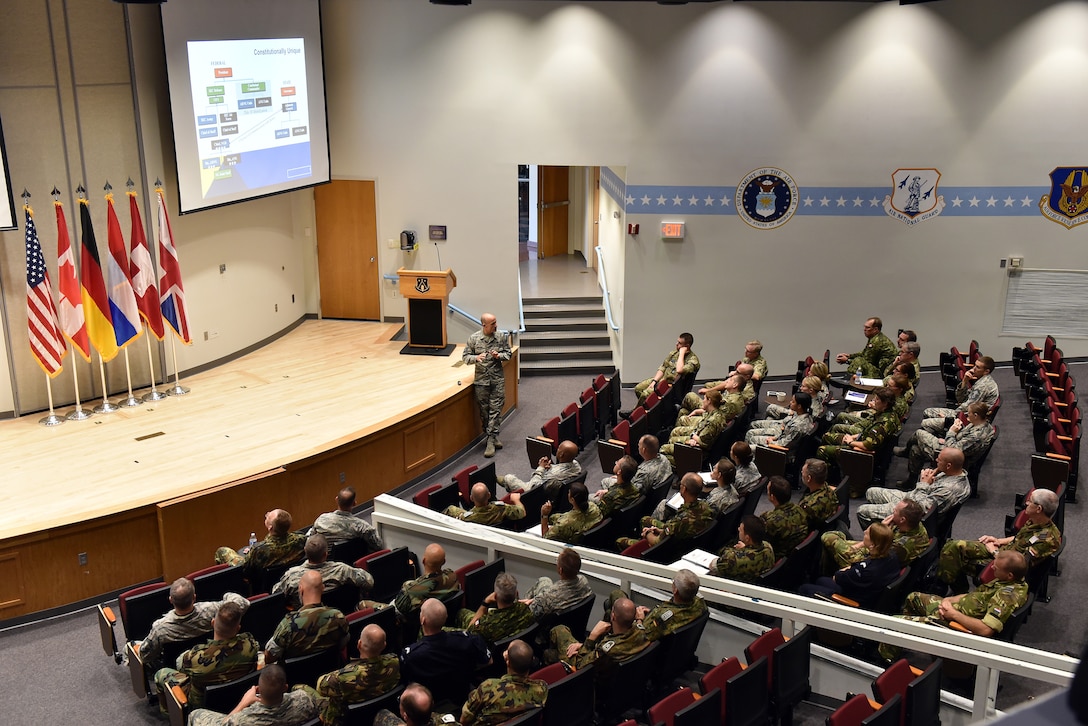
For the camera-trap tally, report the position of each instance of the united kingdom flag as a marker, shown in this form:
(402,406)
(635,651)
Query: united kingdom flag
(171,292)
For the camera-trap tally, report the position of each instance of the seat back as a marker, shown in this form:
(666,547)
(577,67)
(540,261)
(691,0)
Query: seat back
(622,432)
(497,667)
(770,461)
(677,654)
(803,559)
(893,682)
(921,565)
(344,598)
(390,569)
(622,685)
(922,698)
(657,493)
(567,429)
(308,668)
(614,386)
(790,674)
(363,713)
(263,615)
(625,519)
(142,606)
(532,501)
(664,710)
(575,617)
(747,696)
(461,478)
(888,715)
(764,647)
(537,448)
(601,536)
(532,717)
(715,679)
(442,497)
(222,697)
(637,549)
(385,618)
(704,712)
(485,475)
(570,696)
(263,579)
(587,422)
(550,430)
(605,405)
(1012,625)
(478,582)
(608,453)
(686,458)
(350,550)
(854,712)
(857,465)
(665,551)
(421,497)
(212,583)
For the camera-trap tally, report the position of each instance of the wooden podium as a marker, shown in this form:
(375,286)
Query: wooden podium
(428,294)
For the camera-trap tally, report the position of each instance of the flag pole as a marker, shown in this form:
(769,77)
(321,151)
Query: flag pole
(52,419)
(153,395)
(178,389)
(79,414)
(131,401)
(105,406)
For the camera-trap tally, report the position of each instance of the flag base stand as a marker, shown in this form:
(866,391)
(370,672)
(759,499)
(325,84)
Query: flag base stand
(106,407)
(51,420)
(177,390)
(78,415)
(154,396)
(130,402)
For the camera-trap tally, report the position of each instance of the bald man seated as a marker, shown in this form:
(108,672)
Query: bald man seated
(443,660)
(565,469)
(268,702)
(310,629)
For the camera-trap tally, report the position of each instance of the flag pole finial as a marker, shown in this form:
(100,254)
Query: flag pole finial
(81,192)
(26,197)
(130,184)
(55,193)
(158,183)
(108,187)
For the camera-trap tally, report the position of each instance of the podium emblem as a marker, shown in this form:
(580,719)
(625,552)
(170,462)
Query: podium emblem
(422,285)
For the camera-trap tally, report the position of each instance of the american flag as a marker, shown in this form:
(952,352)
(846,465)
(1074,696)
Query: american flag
(46,343)
(171,292)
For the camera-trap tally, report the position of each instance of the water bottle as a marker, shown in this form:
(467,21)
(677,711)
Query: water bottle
(252,539)
(857,376)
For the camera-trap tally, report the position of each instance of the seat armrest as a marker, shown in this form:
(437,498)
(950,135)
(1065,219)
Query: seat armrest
(843,600)
(177,706)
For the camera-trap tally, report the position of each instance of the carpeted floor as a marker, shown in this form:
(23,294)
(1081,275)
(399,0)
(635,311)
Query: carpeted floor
(55,672)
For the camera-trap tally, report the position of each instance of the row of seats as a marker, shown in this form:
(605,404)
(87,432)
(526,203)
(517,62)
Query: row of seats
(1052,395)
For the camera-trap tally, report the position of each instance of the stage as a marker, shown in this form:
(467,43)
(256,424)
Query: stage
(149,492)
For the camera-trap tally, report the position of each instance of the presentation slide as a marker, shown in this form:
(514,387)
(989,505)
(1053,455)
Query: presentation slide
(7,199)
(247,98)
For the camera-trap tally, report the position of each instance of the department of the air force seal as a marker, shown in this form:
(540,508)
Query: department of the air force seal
(1067,203)
(914,195)
(766,198)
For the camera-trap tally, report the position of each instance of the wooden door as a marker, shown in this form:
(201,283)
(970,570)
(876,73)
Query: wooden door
(347,250)
(554,206)
(596,207)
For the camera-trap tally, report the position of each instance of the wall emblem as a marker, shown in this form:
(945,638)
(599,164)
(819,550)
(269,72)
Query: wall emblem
(914,196)
(1067,203)
(423,285)
(766,198)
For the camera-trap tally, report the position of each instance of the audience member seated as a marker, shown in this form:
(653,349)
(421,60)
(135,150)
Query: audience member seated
(667,617)
(570,526)
(547,597)
(622,492)
(820,500)
(977,384)
(342,525)
(732,396)
(693,517)
(680,360)
(787,524)
(187,620)
(443,660)
(500,615)
(971,438)
(883,425)
(700,428)
(750,557)
(485,511)
(943,487)
(878,352)
(906,370)
(436,581)
(796,425)
(228,656)
(863,581)
(811,385)
(851,423)
(366,677)
(722,496)
(909,538)
(753,356)
(280,547)
(653,470)
(310,629)
(908,353)
(748,477)
(498,700)
(819,371)
(553,476)
(983,612)
(333,574)
(616,639)
(416,705)
(1037,539)
(268,702)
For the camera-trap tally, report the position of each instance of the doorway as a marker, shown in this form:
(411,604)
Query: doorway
(347,250)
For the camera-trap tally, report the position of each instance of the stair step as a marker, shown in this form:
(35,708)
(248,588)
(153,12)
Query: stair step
(560,353)
(531,301)
(550,337)
(567,311)
(565,323)
(586,367)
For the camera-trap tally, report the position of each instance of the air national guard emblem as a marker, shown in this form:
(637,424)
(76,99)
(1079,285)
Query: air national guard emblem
(422,285)
(914,196)
(1067,203)
(766,198)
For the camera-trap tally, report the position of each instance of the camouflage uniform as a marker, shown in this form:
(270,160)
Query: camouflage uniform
(775,412)
(992,603)
(890,369)
(820,504)
(496,624)
(617,647)
(670,616)
(878,352)
(272,551)
(340,526)
(358,681)
(205,665)
(972,440)
(747,480)
(414,592)
(907,546)
(491,513)
(708,428)
(497,700)
(945,492)
(616,498)
(787,526)
(984,390)
(669,373)
(309,629)
(873,434)
(732,405)
(759,366)
(172,627)
(959,558)
(744,563)
(555,475)
(850,423)
(569,526)
(550,597)
(651,472)
(690,520)
(333,575)
(721,498)
(489,383)
(298,707)
(785,432)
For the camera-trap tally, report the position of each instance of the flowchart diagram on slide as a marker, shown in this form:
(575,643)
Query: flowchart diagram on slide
(251,114)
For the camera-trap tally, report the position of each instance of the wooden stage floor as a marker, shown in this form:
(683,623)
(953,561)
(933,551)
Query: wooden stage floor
(305,402)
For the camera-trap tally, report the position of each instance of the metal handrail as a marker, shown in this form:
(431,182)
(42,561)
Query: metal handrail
(603,282)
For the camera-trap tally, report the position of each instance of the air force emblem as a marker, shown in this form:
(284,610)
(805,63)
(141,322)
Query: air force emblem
(914,196)
(1067,203)
(766,198)
(423,285)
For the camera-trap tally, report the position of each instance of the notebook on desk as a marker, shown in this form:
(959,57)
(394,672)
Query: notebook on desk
(856,397)
(873,382)
(697,560)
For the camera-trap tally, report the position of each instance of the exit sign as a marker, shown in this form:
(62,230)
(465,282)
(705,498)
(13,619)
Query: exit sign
(672,230)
